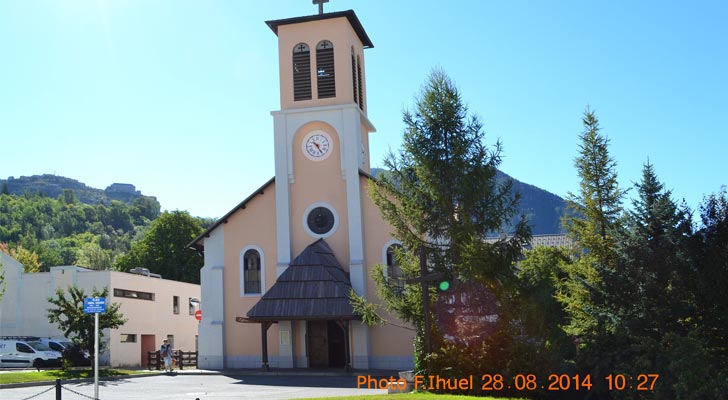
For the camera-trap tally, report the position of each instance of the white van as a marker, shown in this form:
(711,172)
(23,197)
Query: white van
(27,352)
(56,344)
(76,356)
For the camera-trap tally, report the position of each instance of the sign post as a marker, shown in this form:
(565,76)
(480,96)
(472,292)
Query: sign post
(95,305)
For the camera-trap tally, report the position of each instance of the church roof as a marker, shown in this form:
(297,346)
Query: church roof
(349,14)
(314,286)
(196,244)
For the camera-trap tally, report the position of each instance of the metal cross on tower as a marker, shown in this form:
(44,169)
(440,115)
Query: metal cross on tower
(320,4)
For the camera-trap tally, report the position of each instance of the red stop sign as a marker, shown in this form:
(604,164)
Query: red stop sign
(198,315)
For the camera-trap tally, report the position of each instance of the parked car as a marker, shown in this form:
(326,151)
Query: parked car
(72,352)
(26,352)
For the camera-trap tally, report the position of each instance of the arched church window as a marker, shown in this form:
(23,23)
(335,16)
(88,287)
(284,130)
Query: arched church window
(301,72)
(394,273)
(252,272)
(325,77)
(353,76)
(358,76)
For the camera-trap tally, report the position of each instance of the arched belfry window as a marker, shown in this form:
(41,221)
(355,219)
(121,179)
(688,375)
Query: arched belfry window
(251,272)
(301,72)
(394,273)
(358,78)
(325,78)
(353,76)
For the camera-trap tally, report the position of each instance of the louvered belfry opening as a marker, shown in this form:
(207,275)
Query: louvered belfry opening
(326,80)
(353,77)
(358,75)
(301,72)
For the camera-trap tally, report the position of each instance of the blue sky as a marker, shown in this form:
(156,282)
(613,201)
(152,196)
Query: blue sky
(174,96)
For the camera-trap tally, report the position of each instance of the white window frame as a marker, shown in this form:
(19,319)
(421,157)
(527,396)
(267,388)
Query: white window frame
(304,220)
(241,263)
(384,254)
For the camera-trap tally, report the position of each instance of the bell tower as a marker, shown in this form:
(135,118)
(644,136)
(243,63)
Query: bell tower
(321,60)
(321,141)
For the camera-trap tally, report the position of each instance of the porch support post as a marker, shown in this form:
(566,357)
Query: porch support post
(264,338)
(344,325)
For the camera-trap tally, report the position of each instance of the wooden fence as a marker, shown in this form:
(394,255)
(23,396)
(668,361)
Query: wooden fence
(180,359)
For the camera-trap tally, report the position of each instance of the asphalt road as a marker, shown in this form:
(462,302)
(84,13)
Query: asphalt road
(203,387)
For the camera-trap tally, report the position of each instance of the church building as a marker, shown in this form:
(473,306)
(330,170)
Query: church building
(279,266)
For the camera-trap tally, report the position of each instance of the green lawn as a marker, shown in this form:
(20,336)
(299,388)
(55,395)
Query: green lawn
(52,375)
(409,396)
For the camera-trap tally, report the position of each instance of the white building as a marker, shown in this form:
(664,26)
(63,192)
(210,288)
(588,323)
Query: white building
(155,308)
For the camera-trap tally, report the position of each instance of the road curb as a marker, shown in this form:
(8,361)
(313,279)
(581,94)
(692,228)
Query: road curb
(78,380)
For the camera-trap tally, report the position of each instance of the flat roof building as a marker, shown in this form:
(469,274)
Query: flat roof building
(156,308)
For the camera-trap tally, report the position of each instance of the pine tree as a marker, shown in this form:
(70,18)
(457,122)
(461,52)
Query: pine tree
(592,222)
(709,250)
(441,196)
(653,266)
(598,204)
(649,291)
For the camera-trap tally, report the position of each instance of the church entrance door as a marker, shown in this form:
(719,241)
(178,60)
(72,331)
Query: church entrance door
(325,344)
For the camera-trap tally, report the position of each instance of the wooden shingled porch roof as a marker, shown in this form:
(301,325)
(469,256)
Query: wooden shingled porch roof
(313,287)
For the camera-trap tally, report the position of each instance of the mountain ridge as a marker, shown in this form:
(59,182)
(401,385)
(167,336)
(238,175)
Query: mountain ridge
(543,209)
(53,186)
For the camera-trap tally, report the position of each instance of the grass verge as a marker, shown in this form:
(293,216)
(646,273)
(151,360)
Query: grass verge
(52,375)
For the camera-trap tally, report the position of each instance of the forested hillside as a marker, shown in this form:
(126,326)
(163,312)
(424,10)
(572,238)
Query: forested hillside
(543,209)
(42,231)
(48,220)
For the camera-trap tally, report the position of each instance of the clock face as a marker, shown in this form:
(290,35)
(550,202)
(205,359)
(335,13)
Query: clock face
(317,145)
(320,220)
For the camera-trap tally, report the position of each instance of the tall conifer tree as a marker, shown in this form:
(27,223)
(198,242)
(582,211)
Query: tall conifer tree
(592,222)
(441,196)
(653,265)
(710,252)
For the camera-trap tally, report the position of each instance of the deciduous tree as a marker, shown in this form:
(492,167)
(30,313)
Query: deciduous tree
(2,281)
(24,256)
(164,248)
(68,314)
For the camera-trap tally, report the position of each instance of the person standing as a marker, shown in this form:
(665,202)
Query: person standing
(166,353)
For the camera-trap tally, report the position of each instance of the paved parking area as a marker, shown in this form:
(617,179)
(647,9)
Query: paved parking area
(203,387)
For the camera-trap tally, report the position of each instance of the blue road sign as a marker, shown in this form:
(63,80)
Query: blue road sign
(92,305)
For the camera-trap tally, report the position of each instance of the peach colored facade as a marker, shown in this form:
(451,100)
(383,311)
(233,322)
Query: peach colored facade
(23,309)
(275,221)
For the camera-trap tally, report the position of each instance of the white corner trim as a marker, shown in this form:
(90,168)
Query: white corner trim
(241,264)
(304,220)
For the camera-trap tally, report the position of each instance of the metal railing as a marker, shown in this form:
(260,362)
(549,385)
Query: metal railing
(59,392)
